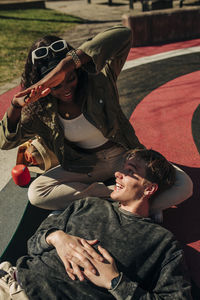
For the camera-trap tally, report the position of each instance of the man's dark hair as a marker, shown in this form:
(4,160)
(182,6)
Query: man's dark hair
(158,169)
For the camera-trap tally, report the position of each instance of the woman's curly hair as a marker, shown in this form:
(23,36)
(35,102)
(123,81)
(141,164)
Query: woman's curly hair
(32,72)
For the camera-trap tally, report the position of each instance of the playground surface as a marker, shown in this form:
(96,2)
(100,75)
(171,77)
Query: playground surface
(159,93)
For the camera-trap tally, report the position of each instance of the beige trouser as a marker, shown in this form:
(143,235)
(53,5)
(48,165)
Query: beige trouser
(9,287)
(57,188)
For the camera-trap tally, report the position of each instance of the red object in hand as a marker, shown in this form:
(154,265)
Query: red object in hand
(21,175)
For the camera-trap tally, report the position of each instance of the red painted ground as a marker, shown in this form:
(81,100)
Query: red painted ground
(169,111)
(6,98)
(170,108)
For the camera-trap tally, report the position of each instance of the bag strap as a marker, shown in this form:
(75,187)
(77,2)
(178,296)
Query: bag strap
(38,144)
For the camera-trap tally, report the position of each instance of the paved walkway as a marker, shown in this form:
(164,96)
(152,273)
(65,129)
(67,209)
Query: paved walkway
(98,16)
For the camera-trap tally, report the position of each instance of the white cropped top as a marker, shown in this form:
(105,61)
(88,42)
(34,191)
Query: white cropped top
(82,132)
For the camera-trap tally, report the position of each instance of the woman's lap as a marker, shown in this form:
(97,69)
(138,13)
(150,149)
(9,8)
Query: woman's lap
(57,187)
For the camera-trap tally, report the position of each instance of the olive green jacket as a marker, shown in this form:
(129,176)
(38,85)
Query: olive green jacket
(108,51)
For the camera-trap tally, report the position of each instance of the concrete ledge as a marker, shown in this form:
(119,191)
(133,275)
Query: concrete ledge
(14,4)
(155,27)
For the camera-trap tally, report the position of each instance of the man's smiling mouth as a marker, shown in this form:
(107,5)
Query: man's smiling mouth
(119,186)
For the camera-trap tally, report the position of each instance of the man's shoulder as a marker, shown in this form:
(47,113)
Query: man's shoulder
(158,231)
(169,241)
(161,229)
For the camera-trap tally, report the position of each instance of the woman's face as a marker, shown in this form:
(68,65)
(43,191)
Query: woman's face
(65,91)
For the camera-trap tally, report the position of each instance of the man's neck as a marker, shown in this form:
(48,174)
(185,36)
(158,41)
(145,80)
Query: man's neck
(139,207)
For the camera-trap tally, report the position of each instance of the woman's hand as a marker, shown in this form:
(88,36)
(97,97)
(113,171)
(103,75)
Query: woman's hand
(74,252)
(65,67)
(34,95)
(53,78)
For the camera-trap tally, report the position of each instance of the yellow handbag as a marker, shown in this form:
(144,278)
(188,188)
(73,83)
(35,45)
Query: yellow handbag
(36,156)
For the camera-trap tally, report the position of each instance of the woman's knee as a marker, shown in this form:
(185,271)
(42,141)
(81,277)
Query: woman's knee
(35,196)
(48,194)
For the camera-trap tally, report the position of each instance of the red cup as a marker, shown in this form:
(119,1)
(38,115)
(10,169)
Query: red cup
(21,175)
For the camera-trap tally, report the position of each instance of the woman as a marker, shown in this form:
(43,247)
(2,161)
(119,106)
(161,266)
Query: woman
(75,108)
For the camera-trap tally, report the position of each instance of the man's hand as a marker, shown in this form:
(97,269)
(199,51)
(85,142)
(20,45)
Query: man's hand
(107,270)
(74,252)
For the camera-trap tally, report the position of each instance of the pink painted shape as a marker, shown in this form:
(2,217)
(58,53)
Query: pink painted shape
(6,98)
(162,120)
(195,245)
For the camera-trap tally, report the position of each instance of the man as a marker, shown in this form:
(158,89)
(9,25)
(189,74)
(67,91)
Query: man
(109,249)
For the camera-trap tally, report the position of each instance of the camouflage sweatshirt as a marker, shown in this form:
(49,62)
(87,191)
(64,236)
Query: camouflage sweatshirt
(147,254)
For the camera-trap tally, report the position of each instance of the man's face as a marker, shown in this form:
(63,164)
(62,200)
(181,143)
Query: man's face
(130,183)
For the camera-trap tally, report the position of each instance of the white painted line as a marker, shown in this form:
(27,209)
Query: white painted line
(156,57)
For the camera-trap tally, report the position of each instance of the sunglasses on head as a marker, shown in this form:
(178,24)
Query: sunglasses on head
(42,52)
